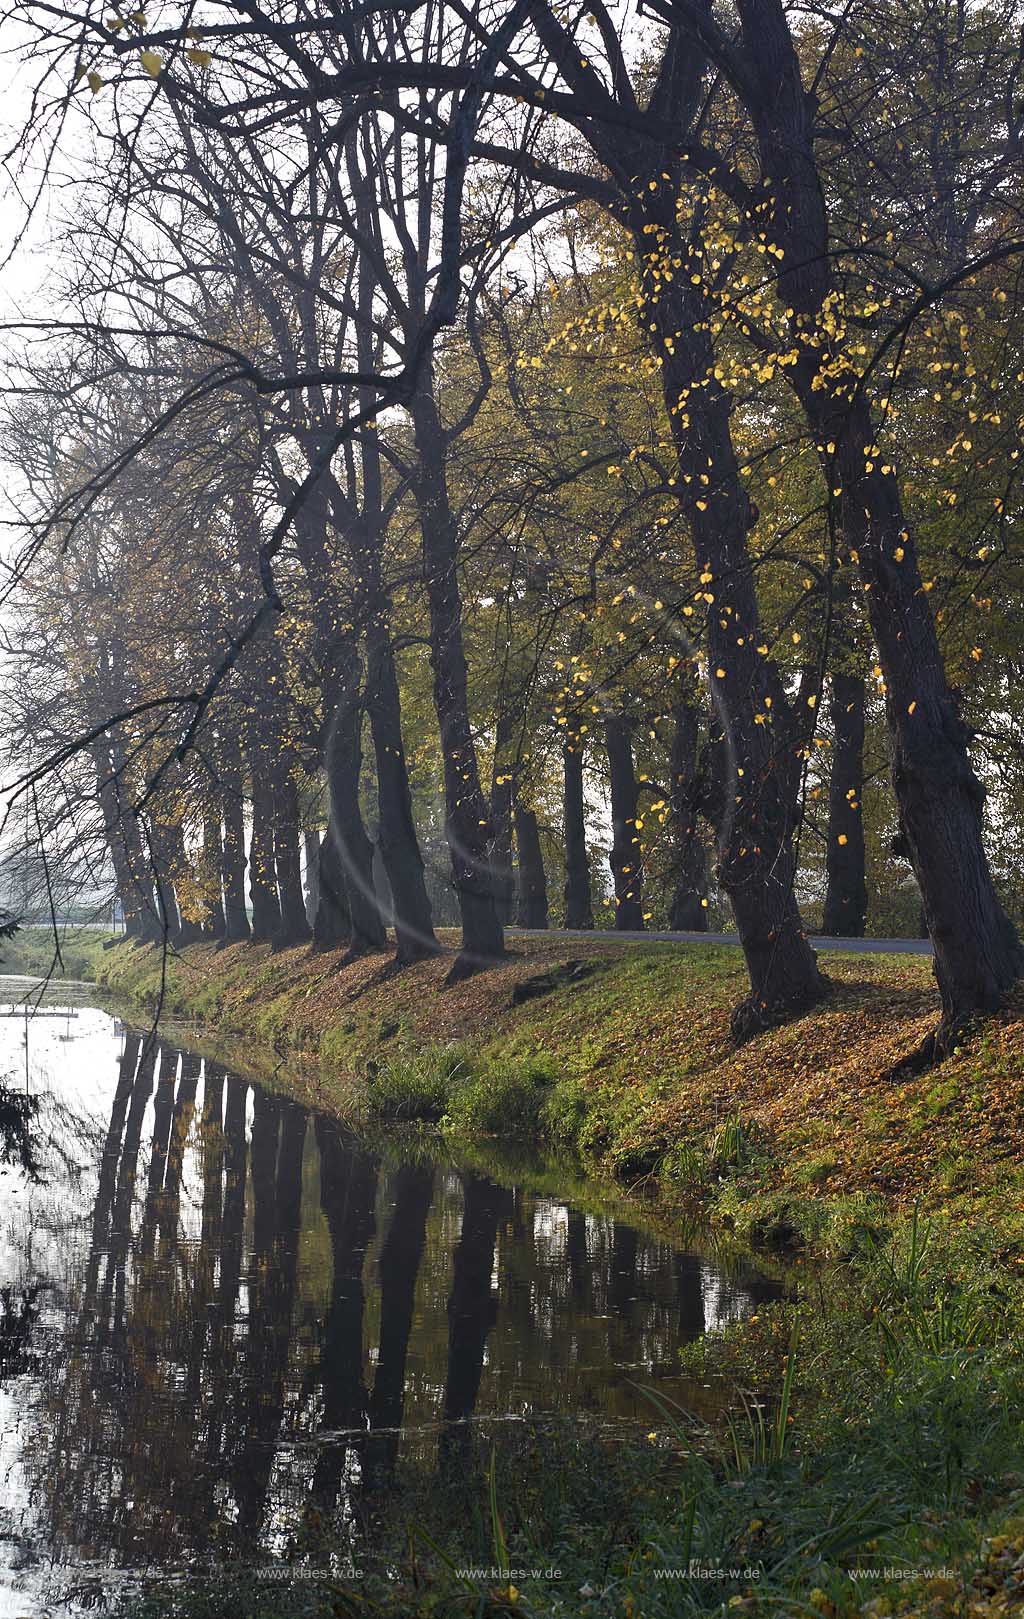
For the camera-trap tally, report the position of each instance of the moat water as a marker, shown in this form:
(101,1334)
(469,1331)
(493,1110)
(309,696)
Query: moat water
(220,1306)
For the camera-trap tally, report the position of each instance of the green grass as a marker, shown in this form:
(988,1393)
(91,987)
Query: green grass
(414,1085)
(32,953)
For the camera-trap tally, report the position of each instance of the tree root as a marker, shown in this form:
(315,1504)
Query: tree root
(467,964)
(751,1017)
(358,952)
(936,1046)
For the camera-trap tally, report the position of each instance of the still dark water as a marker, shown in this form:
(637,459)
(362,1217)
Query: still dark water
(222,1306)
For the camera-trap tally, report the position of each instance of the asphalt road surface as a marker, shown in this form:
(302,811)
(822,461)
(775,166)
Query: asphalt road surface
(860,947)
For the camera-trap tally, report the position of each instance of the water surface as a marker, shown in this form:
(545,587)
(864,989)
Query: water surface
(222,1308)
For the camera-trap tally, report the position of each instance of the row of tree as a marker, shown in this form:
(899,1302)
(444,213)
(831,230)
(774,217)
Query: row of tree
(658,378)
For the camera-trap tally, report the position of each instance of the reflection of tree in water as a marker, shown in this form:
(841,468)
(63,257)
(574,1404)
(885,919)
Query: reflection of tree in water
(411,1192)
(197,1361)
(278,1136)
(348,1188)
(472,1307)
(107,1183)
(19,1313)
(163,1115)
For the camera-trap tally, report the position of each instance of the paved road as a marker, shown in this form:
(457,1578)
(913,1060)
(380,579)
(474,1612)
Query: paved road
(860,947)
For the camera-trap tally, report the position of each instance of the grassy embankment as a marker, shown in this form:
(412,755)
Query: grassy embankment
(799,1137)
(896,1436)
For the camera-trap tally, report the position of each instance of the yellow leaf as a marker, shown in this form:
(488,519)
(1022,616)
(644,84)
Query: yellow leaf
(95,83)
(199,58)
(152,62)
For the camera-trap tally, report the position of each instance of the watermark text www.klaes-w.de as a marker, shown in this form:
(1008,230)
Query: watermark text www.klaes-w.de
(497,1572)
(903,1572)
(709,1571)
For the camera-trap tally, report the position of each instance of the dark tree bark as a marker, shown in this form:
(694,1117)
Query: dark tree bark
(343,758)
(688,911)
(214,927)
(502,792)
(125,836)
(467,823)
(331,927)
(182,876)
(579,911)
(977,953)
(294,928)
(756,812)
(846,894)
(236,917)
(626,858)
(399,846)
(337,649)
(266,910)
(134,886)
(533,886)
(161,844)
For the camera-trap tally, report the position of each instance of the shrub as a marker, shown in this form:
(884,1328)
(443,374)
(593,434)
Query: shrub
(501,1100)
(414,1084)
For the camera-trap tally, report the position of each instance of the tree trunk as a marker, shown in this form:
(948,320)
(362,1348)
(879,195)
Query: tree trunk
(502,783)
(939,797)
(755,812)
(579,912)
(977,953)
(688,911)
(846,894)
(266,911)
(757,819)
(533,886)
(214,926)
(294,928)
(125,848)
(467,823)
(343,759)
(331,927)
(171,862)
(399,846)
(626,858)
(236,918)
(165,905)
